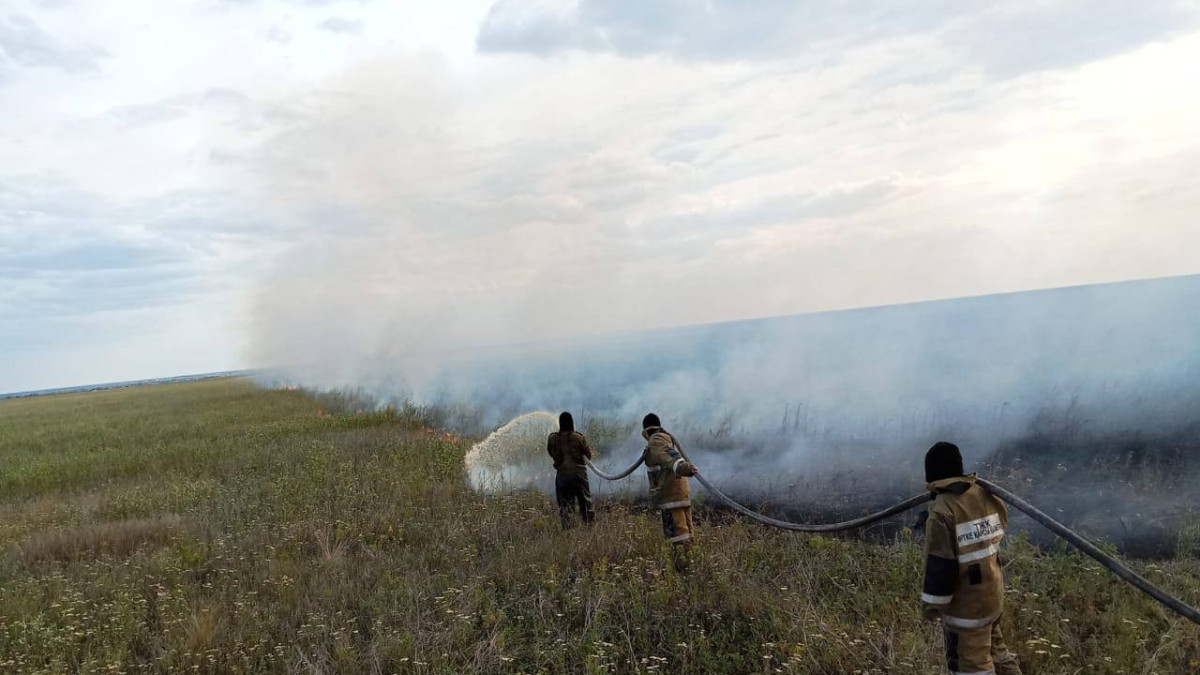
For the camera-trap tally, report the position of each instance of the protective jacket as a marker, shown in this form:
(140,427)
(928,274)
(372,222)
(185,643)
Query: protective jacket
(567,449)
(667,470)
(963,579)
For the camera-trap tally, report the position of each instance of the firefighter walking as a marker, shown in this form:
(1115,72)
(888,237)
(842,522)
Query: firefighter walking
(964,584)
(670,493)
(568,448)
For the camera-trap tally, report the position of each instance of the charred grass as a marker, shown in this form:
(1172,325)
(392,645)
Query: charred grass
(217,527)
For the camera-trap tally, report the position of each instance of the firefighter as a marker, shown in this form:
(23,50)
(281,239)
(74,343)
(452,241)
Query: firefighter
(568,448)
(668,472)
(964,585)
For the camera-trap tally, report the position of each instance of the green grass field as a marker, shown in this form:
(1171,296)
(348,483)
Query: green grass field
(218,527)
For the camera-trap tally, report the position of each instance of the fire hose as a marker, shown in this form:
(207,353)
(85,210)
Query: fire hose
(615,476)
(1112,564)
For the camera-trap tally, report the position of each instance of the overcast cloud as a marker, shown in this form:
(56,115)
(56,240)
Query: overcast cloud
(25,44)
(1006,38)
(225,184)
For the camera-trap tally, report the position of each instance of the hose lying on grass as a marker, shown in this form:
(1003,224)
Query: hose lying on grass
(1112,564)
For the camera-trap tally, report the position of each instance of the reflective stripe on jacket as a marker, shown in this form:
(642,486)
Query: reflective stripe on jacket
(963,578)
(664,467)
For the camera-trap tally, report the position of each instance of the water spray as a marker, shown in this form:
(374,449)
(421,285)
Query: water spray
(513,455)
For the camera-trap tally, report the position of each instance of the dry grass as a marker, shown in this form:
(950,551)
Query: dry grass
(203,629)
(120,538)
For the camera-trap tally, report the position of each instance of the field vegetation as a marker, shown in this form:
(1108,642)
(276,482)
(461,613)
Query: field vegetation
(219,527)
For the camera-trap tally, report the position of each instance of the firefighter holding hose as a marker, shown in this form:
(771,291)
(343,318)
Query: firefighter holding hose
(670,493)
(568,449)
(964,584)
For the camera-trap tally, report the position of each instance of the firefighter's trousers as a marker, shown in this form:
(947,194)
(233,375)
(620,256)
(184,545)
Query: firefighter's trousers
(677,528)
(979,651)
(571,491)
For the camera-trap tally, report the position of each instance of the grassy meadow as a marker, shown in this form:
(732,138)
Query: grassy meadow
(215,527)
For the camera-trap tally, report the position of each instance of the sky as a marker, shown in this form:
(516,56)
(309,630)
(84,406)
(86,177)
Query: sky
(193,186)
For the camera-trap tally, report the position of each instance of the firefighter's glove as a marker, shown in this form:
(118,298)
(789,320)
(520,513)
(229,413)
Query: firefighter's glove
(691,470)
(930,613)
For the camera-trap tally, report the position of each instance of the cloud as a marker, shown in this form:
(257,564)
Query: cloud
(139,115)
(96,289)
(100,255)
(28,45)
(1011,39)
(715,30)
(279,35)
(299,3)
(68,252)
(337,24)
(1004,38)
(145,114)
(780,210)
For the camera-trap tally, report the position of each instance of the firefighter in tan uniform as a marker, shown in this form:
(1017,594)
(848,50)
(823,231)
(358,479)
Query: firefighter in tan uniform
(668,472)
(568,449)
(964,584)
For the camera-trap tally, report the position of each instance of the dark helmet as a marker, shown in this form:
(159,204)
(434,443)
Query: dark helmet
(943,460)
(566,422)
(651,420)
